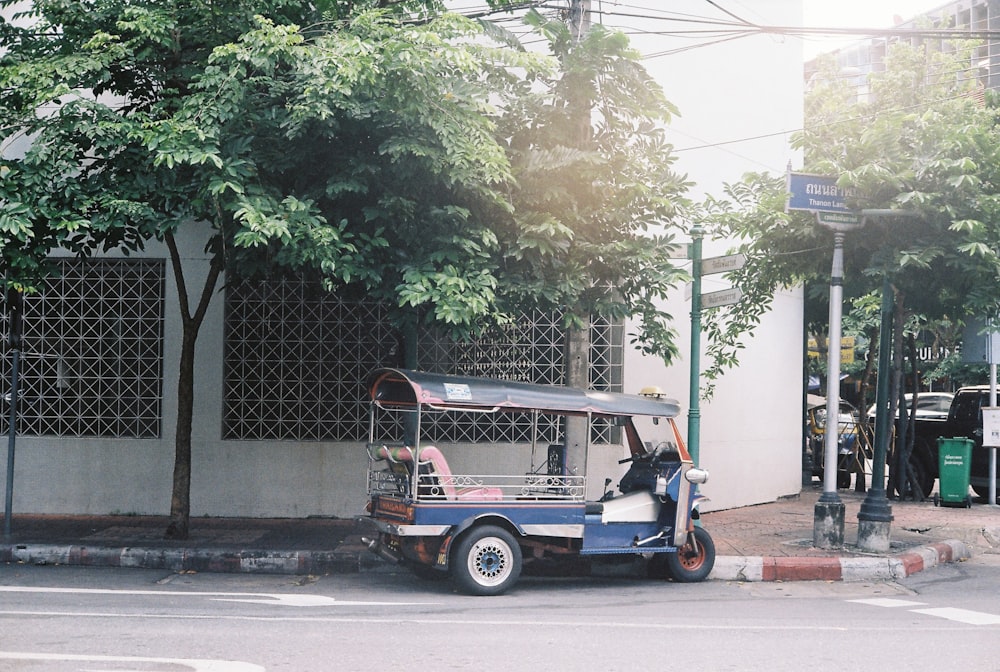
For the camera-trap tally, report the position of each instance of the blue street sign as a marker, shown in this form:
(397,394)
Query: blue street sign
(815,193)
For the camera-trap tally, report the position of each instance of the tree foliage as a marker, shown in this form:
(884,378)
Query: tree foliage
(920,142)
(595,194)
(306,135)
(416,162)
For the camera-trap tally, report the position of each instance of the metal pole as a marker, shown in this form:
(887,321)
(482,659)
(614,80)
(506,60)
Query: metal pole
(828,521)
(15,313)
(11,435)
(875,516)
(992,492)
(694,404)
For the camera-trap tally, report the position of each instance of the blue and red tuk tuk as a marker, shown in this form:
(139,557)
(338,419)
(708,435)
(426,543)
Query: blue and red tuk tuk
(479,528)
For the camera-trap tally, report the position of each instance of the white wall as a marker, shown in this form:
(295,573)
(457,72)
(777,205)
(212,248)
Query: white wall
(747,89)
(751,428)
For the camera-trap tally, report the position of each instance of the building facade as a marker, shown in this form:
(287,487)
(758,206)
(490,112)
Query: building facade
(978,17)
(280,417)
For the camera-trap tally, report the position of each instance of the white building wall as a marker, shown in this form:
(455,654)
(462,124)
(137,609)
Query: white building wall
(747,90)
(751,428)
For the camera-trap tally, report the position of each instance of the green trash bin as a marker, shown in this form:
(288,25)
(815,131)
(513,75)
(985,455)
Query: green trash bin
(954,459)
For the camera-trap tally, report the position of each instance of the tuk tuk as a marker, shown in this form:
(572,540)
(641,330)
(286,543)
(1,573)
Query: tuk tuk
(480,529)
(847,438)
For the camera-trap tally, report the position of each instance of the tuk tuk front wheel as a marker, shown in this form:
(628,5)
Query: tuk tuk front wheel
(694,560)
(486,561)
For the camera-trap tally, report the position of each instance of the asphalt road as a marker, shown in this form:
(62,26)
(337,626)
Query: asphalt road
(77,619)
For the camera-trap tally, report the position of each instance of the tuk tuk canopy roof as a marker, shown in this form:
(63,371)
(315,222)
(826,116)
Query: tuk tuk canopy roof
(403,388)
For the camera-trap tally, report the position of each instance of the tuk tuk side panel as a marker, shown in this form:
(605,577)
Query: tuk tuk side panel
(551,518)
(619,538)
(637,522)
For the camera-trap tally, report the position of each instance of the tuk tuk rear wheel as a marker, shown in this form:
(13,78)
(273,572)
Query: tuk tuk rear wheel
(486,561)
(694,560)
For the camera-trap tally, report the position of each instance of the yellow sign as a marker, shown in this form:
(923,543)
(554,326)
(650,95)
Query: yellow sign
(846,349)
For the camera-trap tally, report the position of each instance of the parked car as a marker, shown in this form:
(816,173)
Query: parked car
(930,405)
(965,420)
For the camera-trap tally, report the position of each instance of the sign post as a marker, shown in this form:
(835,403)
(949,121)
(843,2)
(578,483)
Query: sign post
(821,195)
(701,267)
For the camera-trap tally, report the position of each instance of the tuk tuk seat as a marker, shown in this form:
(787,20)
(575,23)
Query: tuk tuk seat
(433,464)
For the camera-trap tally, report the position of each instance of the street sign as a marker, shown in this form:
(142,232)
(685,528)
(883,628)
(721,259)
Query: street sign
(733,262)
(838,220)
(846,349)
(816,193)
(991,426)
(681,251)
(723,297)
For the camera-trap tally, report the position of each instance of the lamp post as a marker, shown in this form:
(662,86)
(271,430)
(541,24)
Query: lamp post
(875,515)
(828,513)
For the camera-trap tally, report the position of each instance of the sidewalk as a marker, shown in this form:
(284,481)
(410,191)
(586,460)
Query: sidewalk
(767,542)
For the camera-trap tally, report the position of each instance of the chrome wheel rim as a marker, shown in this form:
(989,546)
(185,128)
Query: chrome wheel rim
(490,561)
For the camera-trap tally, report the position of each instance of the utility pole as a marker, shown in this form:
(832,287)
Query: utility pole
(579,18)
(577,349)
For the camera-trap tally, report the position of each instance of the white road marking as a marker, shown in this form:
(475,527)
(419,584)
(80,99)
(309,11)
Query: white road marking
(197,665)
(966,616)
(279,599)
(472,623)
(962,615)
(888,602)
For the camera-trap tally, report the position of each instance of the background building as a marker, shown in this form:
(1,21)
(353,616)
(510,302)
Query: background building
(979,17)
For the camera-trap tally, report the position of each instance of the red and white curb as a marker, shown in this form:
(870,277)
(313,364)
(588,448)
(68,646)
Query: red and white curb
(778,568)
(727,567)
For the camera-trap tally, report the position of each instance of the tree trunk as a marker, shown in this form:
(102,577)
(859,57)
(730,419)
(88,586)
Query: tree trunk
(866,442)
(896,474)
(180,499)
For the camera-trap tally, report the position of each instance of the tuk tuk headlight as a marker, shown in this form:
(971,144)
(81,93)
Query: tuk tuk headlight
(696,475)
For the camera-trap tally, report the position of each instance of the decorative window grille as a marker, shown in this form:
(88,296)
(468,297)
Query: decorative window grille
(531,349)
(297,359)
(92,352)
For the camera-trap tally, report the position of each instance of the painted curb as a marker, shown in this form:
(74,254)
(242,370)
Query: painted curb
(188,559)
(755,568)
(727,568)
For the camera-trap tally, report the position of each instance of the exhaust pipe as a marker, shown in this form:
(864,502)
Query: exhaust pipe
(381,550)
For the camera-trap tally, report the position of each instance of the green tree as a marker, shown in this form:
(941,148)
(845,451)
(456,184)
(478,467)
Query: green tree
(357,147)
(386,157)
(921,141)
(595,195)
